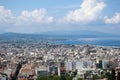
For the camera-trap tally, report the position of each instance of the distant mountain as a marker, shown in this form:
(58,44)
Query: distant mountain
(53,35)
(29,37)
(77,33)
(18,37)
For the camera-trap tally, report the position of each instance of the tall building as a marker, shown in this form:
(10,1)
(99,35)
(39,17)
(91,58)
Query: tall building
(79,65)
(68,66)
(100,64)
(62,69)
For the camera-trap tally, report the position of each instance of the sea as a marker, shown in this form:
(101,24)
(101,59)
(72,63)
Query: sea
(106,41)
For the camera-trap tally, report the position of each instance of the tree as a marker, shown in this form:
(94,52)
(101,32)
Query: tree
(41,77)
(63,78)
(56,77)
(113,75)
(69,78)
(96,77)
(79,79)
(107,75)
(14,77)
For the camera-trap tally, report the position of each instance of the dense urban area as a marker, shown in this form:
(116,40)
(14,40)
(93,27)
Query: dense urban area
(40,60)
(59,39)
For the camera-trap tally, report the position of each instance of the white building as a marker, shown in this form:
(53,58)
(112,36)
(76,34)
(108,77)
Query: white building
(79,65)
(68,66)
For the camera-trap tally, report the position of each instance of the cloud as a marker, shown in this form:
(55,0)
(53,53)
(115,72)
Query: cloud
(114,20)
(37,16)
(6,16)
(88,11)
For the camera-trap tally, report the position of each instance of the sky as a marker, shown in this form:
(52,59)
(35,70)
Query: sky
(38,16)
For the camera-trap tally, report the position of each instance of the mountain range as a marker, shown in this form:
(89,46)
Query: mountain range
(54,35)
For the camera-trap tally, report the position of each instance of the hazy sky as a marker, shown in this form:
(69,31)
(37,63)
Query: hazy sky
(36,16)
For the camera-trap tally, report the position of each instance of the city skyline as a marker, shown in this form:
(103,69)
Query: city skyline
(51,16)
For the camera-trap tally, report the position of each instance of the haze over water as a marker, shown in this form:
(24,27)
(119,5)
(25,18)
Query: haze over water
(110,41)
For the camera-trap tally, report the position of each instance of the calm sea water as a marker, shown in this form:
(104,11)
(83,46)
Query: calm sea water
(90,41)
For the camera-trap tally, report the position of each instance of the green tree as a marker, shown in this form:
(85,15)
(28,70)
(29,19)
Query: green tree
(68,77)
(56,77)
(41,77)
(79,79)
(14,77)
(107,75)
(96,77)
(63,78)
(113,75)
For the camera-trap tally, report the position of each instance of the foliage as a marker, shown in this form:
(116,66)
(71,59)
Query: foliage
(69,77)
(109,76)
(14,77)
(79,79)
(41,77)
(55,77)
(112,77)
(63,78)
(96,77)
